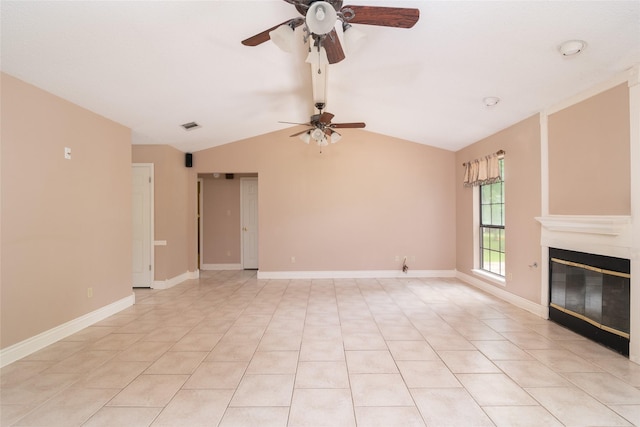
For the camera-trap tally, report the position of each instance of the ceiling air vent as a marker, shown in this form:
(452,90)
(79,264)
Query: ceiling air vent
(190,126)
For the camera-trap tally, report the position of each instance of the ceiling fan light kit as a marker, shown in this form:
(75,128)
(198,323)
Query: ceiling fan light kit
(335,137)
(283,37)
(318,136)
(353,38)
(305,137)
(321,18)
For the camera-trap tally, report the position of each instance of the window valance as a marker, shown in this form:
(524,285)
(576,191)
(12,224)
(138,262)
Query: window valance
(485,170)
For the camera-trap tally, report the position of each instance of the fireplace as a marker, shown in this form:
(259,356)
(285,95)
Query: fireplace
(590,294)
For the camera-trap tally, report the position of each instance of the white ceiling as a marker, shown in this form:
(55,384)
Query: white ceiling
(153,65)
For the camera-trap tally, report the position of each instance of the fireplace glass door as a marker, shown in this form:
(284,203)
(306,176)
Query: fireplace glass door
(590,289)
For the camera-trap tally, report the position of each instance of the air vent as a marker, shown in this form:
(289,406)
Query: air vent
(190,126)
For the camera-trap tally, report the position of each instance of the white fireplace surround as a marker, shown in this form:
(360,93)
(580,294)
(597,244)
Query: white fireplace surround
(608,235)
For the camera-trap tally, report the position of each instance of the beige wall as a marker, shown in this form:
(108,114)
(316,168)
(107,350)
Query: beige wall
(173,209)
(521,143)
(364,201)
(66,224)
(221,220)
(589,167)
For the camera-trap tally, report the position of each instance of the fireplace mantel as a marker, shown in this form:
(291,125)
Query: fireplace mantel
(612,225)
(608,235)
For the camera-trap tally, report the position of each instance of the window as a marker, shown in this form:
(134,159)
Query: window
(492,231)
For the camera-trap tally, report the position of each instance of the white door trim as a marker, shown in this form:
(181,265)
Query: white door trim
(199,218)
(242,212)
(151,242)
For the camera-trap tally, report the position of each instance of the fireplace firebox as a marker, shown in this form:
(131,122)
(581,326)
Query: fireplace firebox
(590,294)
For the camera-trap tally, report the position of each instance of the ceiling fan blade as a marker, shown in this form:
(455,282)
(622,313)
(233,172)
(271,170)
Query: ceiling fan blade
(296,123)
(262,37)
(299,133)
(326,117)
(333,47)
(398,17)
(347,125)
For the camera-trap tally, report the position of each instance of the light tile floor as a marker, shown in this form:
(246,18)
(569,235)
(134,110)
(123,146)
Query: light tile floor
(230,350)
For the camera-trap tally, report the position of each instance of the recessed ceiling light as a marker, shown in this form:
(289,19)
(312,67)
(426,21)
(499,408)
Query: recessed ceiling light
(190,126)
(490,101)
(572,47)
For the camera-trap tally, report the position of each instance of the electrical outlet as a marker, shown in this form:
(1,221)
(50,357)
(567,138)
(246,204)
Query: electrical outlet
(293,260)
(397,258)
(509,277)
(89,292)
(228,253)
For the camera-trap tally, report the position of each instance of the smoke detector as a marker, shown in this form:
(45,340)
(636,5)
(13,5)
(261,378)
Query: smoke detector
(572,47)
(490,101)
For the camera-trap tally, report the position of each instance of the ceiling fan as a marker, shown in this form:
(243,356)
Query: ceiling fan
(322,130)
(320,17)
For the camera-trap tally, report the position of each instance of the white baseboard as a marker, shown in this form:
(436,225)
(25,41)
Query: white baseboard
(169,283)
(31,345)
(361,274)
(216,267)
(525,304)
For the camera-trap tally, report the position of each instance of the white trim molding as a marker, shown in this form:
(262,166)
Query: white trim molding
(518,301)
(359,274)
(218,267)
(169,283)
(634,154)
(31,345)
(489,277)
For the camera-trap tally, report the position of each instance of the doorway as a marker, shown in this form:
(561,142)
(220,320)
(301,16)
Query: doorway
(228,221)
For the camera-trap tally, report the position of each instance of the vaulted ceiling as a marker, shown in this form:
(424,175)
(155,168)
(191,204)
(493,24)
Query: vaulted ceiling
(153,65)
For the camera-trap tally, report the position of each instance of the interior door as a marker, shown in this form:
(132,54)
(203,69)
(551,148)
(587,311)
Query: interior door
(142,214)
(249,208)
